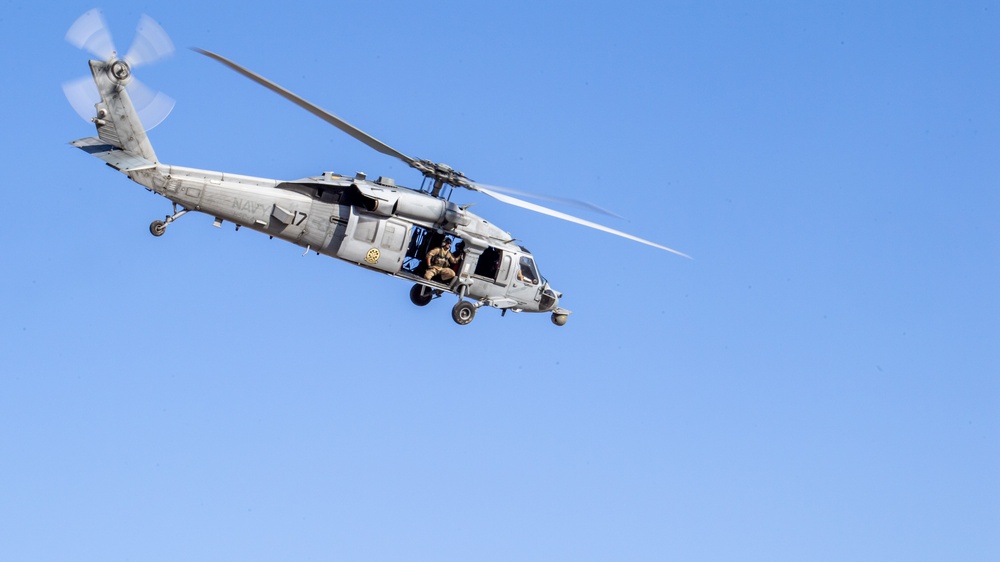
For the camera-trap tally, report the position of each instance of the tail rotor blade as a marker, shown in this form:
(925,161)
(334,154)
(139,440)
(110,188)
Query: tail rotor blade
(150,45)
(151,106)
(83,96)
(90,32)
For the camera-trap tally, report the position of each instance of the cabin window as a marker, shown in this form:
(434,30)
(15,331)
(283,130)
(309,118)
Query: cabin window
(365,229)
(489,263)
(393,238)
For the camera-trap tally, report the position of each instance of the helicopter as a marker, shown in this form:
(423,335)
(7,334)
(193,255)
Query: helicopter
(415,234)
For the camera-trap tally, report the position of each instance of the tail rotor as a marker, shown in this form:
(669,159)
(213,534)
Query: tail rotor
(90,33)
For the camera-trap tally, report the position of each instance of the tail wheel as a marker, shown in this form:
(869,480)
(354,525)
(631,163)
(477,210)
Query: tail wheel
(463,312)
(157,228)
(419,297)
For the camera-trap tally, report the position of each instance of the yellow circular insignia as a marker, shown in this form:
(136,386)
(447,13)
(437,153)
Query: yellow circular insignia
(372,256)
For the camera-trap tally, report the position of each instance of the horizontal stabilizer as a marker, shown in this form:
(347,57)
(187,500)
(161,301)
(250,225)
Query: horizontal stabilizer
(115,157)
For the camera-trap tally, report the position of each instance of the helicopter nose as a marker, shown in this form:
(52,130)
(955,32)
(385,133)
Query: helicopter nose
(550,298)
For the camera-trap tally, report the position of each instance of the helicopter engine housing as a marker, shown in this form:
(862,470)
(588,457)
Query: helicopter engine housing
(407,205)
(420,207)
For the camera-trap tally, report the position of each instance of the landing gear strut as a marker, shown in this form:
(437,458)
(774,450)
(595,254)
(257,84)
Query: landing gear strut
(158,227)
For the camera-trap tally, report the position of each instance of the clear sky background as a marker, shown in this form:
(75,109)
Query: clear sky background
(819,383)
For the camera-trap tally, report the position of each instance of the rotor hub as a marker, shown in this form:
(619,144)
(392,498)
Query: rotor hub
(442,173)
(120,71)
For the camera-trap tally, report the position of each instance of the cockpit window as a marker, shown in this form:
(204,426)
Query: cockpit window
(526,271)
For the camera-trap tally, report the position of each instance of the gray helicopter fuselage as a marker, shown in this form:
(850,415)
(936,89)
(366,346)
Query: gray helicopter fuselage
(374,224)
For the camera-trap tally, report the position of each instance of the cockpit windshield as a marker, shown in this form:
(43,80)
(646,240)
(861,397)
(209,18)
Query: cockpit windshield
(526,271)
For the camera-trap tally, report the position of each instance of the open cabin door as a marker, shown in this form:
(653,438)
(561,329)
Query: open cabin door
(375,242)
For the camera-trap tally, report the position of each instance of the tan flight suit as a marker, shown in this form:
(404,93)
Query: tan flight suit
(438,262)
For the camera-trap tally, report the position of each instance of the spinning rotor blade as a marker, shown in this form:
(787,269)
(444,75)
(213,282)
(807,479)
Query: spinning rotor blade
(151,106)
(330,118)
(83,96)
(90,33)
(552,213)
(552,199)
(150,45)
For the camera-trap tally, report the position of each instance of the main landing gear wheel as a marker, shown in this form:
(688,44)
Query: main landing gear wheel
(420,296)
(157,228)
(463,312)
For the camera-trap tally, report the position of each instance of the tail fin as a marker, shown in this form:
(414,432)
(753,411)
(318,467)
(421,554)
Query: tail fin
(117,121)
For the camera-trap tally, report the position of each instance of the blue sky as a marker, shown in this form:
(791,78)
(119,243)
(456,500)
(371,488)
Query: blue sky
(819,383)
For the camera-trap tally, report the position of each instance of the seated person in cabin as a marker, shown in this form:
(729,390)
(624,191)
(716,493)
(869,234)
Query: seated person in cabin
(439,262)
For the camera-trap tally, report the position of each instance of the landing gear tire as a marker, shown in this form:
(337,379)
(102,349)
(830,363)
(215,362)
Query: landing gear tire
(418,297)
(463,312)
(560,319)
(157,228)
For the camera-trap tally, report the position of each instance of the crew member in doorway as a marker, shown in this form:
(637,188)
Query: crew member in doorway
(439,262)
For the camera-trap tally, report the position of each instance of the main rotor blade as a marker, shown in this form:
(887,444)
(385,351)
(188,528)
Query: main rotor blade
(546,211)
(552,199)
(330,118)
